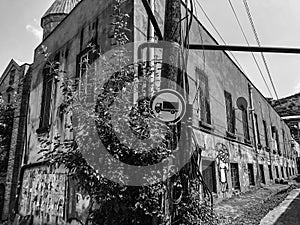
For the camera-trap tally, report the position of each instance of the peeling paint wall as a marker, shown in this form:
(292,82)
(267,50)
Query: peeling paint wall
(224,75)
(43,195)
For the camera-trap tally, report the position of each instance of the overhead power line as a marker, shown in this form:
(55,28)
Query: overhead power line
(218,33)
(258,42)
(245,37)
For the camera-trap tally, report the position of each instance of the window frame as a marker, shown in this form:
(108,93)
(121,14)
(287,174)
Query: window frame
(230,114)
(235,177)
(50,72)
(203,97)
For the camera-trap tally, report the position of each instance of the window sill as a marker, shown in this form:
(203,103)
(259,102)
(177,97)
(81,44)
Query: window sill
(247,141)
(205,125)
(230,135)
(43,130)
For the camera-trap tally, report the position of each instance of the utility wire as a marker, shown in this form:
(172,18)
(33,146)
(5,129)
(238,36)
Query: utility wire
(245,37)
(220,36)
(258,42)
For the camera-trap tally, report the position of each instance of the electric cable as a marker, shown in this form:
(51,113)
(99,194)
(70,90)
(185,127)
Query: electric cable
(245,37)
(258,42)
(220,36)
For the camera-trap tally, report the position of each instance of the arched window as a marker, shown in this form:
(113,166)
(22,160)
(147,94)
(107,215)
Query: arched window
(12,75)
(49,73)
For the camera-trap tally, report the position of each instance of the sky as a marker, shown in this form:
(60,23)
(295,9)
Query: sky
(277,23)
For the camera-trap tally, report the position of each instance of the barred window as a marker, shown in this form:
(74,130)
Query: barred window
(230,113)
(203,96)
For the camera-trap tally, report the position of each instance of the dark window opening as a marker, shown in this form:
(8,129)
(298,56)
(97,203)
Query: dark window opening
(262,174)
(230,113)
(270,172)
(266,133)
(203,97)
(277,171)
(275,137)
(282,172)
(12,76)
(283,140)
(257,130)
(8,98)
(251,174)
(245,124)
(209,175)
(234,168)
(49,74)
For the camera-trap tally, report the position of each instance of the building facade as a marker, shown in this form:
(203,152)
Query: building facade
(244,142)
(14,89)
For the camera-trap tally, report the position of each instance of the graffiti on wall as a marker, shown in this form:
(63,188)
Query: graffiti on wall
(43,195)
(223,165)
(79,203)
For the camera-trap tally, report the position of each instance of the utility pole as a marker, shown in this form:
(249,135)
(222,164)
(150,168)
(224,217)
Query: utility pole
(170,73)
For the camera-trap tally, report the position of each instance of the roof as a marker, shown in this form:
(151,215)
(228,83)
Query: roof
(61,7)
(5,73)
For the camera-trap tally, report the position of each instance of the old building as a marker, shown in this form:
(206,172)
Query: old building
(243,140)
(14,89)
(289,110)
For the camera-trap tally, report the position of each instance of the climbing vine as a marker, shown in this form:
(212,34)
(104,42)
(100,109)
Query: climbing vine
(115,202)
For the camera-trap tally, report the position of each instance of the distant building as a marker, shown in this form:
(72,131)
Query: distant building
(14,90)
(289,110)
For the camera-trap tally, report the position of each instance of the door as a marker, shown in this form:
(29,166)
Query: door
(209,176)
(234,168)
(262,174)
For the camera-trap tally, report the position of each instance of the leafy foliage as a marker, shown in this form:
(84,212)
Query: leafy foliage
(116,203)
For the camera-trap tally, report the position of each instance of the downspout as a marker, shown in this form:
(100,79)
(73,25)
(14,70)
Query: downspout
(254,133)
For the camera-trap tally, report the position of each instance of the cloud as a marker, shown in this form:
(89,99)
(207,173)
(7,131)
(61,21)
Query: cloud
(35,30)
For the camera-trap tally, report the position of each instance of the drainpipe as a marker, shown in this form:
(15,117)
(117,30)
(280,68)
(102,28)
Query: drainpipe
(150,51)
(254,133)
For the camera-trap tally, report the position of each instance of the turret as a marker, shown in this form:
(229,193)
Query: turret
(55,14)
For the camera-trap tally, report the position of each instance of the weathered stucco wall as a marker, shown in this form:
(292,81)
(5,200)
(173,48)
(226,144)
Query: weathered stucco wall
(68,40)
(43,195)
(224,75)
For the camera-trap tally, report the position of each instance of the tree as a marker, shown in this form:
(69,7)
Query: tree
(6,126)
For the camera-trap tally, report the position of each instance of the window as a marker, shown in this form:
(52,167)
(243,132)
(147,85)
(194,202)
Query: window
(257,131)
(12,76)
(275,138)
(8,98)
(270,172)
(49,73)
(209,175)
(203,97)
(282,172)
(230,113)
(234,168)
(283,140)
(251,174)
(262,174)
(245,125)
(85,78)
(277,171)
(266,133)
(287,172)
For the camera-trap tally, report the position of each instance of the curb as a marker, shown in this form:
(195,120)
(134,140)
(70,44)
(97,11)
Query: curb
(274,214)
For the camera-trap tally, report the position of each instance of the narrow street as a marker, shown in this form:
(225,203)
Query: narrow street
(291,216)
(287,213)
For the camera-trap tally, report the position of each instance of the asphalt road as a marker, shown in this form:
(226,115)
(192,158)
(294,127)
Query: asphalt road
(291,216)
